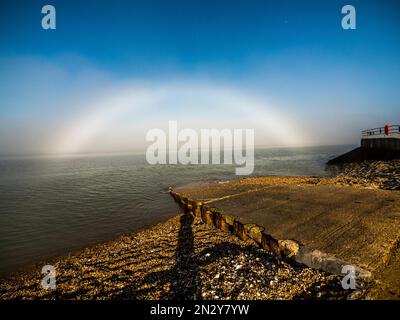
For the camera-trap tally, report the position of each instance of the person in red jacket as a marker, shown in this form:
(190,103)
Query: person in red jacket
(387,129)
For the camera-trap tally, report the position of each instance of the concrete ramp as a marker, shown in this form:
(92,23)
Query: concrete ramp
(355,224)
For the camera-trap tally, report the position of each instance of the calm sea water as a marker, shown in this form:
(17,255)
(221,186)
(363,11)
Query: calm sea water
(52,206)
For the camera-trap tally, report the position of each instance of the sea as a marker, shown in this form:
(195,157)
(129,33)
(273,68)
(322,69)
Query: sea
(54,205)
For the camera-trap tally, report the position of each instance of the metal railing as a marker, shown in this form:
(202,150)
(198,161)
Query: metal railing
(394,131)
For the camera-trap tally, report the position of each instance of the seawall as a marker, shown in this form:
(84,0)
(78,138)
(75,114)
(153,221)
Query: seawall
(364,153)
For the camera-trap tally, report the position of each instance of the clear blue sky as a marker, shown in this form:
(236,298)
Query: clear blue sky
(294,53)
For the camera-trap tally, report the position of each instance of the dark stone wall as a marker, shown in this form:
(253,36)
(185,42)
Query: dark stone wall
(381,143)
(368,153)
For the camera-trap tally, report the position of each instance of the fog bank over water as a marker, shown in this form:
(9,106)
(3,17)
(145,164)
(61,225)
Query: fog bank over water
(50,108)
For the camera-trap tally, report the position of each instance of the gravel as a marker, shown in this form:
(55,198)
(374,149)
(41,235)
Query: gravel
(376,174)
(181,258)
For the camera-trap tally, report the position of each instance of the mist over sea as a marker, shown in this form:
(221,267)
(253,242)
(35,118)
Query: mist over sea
(51,206)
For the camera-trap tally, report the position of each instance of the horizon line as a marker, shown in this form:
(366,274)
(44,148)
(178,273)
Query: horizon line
(143,151)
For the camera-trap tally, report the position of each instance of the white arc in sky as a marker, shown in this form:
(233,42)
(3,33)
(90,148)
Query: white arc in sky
(214,103)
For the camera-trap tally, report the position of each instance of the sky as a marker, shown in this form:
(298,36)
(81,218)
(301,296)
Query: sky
(112,70)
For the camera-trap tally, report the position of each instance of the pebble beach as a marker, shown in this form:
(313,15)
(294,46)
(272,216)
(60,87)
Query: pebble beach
(178,259)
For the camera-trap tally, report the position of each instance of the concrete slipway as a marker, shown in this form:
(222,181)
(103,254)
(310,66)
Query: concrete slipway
(356,224)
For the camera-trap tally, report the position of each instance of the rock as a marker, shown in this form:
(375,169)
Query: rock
(254,232)
(227,222)
(289,248)
(270,244)
(239,230)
